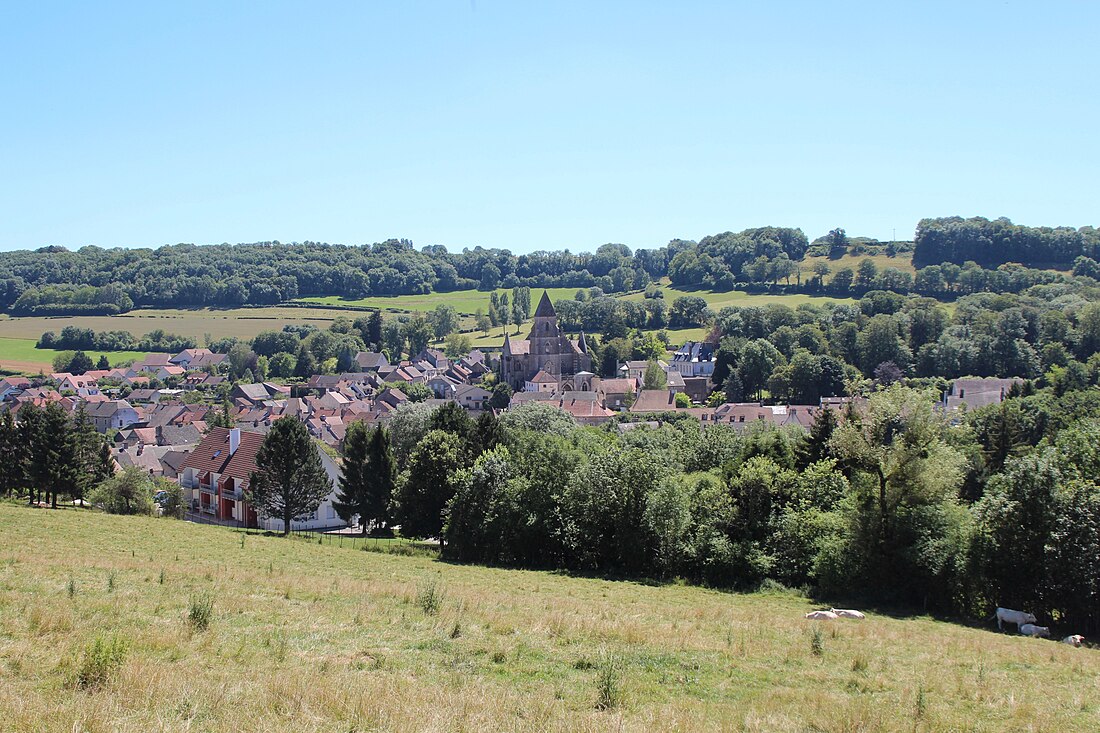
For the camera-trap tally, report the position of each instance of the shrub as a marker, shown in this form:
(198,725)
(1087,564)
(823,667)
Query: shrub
(129,492)
(102,660)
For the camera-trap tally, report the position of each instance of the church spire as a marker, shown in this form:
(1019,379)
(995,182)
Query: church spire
(546,308)
(582,344)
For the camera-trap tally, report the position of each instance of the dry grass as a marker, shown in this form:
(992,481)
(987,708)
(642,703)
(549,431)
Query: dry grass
(319,638)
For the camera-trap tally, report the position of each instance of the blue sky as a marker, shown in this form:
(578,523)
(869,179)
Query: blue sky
(539,125)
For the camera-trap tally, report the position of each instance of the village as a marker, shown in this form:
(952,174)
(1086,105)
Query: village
(181,434)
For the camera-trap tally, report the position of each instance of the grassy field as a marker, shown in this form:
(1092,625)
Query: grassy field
(19,355)
(903,262)
(239,322)
(304,637)
(464,301)
(717,301)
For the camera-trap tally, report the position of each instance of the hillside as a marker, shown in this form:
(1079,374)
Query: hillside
(309,638)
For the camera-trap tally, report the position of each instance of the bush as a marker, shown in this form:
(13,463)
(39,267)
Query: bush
(102,660)
(129,492)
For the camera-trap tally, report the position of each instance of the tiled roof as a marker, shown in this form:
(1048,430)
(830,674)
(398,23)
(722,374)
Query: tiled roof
(212,454)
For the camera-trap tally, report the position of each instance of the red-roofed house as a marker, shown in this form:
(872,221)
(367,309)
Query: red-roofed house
(216,476)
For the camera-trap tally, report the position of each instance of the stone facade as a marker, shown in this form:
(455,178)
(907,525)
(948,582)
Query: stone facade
(545,349)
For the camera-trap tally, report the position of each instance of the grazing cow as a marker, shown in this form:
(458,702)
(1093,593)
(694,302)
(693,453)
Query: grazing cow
(1007,615)
(1074,640)
(847,613)
(821,615)
(1033,630)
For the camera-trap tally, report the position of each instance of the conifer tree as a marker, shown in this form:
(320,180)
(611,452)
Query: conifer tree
(12,456)
(290,481)
(367,482)
(815,447)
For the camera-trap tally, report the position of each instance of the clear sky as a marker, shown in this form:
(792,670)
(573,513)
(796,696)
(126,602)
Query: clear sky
(539,125)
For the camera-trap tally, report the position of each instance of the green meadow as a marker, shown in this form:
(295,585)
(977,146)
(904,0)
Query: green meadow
(143,624)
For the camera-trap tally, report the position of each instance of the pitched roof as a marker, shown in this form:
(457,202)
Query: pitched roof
(543,378)
(546,308)
(212,454)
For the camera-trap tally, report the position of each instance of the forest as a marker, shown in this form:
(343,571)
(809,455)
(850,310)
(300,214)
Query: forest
(953,256)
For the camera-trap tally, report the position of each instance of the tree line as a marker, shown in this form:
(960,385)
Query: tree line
(893,503)
(93,280)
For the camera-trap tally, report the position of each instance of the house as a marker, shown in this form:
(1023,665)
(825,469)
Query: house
(636,369)
(198,359)
(694,359)
(168,371)
(472,397)
(371,361)
(541,382)
(617,394)
(112,415)
(84,385)
(216,475)
(254,394)
(149,365)
(585,407)
(974,393)
(12,386)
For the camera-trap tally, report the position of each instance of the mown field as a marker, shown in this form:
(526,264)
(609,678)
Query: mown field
(465,302)
(903,262)
(303,637)
(19,355)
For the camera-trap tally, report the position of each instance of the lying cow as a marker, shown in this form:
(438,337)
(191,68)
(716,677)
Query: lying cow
(821,615)
(1036,631)
(1007,615)
(1074,640)
(847,613)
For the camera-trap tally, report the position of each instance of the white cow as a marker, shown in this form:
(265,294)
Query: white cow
(1013,617)
(1036,631)
(847,613)
(1074,640)
(821,615)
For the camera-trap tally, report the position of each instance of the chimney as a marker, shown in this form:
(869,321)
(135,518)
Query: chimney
(234,440)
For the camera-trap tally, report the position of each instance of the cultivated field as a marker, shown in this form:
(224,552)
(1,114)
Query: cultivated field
(304,637)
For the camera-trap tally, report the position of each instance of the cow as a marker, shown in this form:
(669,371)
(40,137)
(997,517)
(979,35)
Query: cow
(847,613)
(1074,640)
(821,615)
(1013,617)
(1036,631)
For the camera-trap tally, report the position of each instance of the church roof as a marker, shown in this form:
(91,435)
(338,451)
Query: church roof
(543,378)
(519,347)
(546,308)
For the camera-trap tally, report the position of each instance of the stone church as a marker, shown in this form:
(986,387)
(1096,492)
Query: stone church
(545,350)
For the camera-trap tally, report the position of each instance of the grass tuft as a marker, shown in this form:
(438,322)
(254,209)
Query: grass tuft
(609,682)
(430,595)
(70,588)
(202,611)
(817,642)
(102,660)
